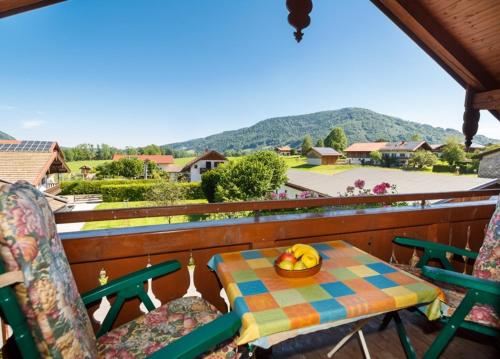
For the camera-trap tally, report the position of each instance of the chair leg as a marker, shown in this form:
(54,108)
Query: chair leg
(451,327)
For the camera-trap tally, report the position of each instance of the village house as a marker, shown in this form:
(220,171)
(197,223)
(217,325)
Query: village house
(284,150)
(164,162)
(37,162)
(359,153)
(489,165)
(400,152)
(207,161)
(322,156)
(438,148)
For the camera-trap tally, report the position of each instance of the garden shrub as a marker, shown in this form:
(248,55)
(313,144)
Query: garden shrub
(115,190)
(125,192)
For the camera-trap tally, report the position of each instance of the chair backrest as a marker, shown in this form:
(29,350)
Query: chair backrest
(487,263)
(48,297)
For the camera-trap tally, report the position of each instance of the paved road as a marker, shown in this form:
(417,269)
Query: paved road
(406,181)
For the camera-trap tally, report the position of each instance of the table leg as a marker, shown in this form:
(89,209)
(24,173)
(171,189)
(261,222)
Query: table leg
(357,329)
(403,337)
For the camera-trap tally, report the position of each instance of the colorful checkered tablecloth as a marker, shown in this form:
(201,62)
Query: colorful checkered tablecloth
(351,284)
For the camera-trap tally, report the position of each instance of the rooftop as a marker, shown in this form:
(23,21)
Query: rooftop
(158,159)
(325,151)
(406,181)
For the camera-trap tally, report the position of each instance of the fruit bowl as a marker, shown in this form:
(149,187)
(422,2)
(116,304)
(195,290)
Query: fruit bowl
(302,273)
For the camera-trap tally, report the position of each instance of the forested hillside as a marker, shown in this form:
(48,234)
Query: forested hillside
(4,136)
(359,125)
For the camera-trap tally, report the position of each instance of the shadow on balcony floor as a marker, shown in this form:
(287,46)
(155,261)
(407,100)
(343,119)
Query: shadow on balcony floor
(384,344)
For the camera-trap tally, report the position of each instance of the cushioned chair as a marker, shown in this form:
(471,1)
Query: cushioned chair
(39,298)
(472,301)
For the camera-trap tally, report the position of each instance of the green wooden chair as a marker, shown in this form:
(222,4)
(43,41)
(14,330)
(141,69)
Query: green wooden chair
(40,301)
(472,301)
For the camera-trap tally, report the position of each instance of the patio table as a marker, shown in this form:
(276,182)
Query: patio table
(352,285)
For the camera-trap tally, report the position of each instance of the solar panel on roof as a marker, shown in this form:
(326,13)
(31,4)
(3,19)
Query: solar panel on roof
(26,146)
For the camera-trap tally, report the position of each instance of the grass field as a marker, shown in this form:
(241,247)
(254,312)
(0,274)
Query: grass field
(74,166)
(134,222)
(300,163)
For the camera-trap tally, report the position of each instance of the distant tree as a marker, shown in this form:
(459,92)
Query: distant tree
(209,182)
(69,155)
(151,150)
(83,152)
(125,167)
(453,151)
(320,143)
(376,157)
(421,159)
(381,140)
(336,139)
(306,144)
(165,193)
(416,137)
(106,152)
(131,151)
(293,152)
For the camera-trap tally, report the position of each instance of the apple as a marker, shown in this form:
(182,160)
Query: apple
(286,257)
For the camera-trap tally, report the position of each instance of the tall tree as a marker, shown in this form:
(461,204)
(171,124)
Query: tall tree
(320,143)
(416,137)
(336,139)
(453,152)
(151,150)
(306,144)
(421,159)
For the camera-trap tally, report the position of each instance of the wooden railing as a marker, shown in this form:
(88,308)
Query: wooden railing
(122,250)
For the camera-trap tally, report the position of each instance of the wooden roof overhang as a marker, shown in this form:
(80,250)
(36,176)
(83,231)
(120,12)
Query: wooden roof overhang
(12,7)
(463,37)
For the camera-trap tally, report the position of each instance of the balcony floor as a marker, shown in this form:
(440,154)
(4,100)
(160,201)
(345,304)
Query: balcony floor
(385,344)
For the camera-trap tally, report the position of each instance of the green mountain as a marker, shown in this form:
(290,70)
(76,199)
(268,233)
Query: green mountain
(360,125)
(4,136)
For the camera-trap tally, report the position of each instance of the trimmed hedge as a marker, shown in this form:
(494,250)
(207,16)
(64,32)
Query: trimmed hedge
(463,168)
(122,190)
(125,192)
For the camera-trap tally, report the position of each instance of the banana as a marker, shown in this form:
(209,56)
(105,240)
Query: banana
(300,249)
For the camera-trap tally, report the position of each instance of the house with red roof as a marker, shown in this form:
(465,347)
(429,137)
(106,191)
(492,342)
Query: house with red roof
(165,162)
(359,153)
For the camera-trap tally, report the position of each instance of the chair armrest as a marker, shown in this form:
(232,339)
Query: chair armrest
(462,280)
(201,339)
(130,280)
(434,247)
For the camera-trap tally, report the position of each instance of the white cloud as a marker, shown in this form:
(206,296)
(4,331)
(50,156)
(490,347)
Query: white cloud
(32,124)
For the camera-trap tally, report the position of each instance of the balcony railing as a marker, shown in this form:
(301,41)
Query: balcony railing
(52,188)
(122,250)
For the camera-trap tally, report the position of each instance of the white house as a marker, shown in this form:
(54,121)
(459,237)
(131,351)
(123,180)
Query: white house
(207,161)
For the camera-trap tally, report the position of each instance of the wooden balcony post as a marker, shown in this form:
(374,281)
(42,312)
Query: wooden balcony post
(471,118)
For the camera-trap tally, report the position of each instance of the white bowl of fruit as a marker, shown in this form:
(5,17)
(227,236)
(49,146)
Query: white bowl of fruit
(298,261)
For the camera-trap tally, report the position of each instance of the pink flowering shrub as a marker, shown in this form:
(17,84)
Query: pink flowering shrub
(359,189)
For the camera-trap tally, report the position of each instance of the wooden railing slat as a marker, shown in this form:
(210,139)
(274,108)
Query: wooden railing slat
(128,213)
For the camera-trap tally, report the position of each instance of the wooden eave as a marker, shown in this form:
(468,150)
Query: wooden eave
(12,7)
(463,37)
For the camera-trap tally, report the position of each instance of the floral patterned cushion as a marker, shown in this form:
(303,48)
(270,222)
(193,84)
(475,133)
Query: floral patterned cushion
(481,313)
(49,298)
(156,329)
(487,264)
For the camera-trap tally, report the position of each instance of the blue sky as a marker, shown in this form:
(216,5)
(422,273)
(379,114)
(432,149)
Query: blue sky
(130,72)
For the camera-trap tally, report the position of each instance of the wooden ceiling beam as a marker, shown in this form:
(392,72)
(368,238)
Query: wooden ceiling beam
(487,100)
(12,7)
